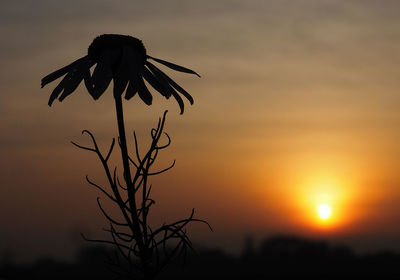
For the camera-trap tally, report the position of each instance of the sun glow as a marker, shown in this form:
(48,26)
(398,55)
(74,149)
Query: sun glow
(324,201)
(311,185)
(324,211)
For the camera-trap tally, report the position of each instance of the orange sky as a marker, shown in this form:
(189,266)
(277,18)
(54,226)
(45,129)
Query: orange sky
(297,106)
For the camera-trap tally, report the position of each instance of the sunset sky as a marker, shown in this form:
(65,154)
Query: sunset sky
(298,105)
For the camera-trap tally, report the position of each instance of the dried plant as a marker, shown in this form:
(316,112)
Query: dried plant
(146,251)
(123,59)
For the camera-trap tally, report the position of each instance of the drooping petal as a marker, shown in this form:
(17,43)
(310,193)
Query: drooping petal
(56,92)
(131,90)
(143,91)
(176,86)
(77,75)
(88,79)
(102,74)
(60,72)
(179,100)
(136,65)
(157,85)
(120,83)
(174,66)
(180,89)
(153,69)
(158,74)
(71,85)
(100,79)
(124,71)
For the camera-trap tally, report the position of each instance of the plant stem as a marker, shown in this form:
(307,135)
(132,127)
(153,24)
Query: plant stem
(137,233)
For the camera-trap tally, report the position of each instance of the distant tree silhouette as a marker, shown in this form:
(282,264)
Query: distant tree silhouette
(336,262)
(142,249)
(248,248)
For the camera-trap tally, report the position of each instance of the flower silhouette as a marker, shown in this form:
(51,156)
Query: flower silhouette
(123,59)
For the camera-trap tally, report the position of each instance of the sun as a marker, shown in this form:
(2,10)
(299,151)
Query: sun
(324,211)
(324,202)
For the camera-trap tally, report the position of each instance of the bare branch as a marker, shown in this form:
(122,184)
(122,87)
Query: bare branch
(103,241)
(153,131)
(121,235)
(92,137)
(140,182)
(136,147)
(108,216)
(116,180)
(110,150)
(118,245)
(83,147)
(101,189)
(166,145)
(132,236)
(162,171)
(133,162)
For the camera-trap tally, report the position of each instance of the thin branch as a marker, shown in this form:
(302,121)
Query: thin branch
(103,241)
(148,192)
(119,247)
(183,222)
(162,171)
(140,182)
(133,162)
(101,189)
(132,236)
(83,147)
(121,235)
(116,180)
(110,150)
(108,216)
(118,199)
(136,147)
(166,145)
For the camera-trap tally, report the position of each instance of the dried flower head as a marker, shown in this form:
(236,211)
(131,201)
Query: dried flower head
(124,60)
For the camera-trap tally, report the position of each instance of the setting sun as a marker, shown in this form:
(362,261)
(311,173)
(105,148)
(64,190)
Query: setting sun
(323,198)
(324,211)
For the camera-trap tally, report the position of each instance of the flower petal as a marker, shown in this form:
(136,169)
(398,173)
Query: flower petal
(60,72)
(174,66)
(143,91)
(176,86)
(136,84)
(120,83)
(131,90)
(159,75)
(56,92)
(88,80)
(156,72)
(76,78)
(125,69)
(157,85)
(102,74)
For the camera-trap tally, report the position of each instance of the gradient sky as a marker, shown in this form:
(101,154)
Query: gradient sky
(298,104)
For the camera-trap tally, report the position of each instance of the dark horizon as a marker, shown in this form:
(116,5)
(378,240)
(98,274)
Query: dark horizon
(281,257)
(231,248)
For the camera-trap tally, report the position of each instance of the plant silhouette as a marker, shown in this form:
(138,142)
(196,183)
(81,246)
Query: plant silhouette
(123,59)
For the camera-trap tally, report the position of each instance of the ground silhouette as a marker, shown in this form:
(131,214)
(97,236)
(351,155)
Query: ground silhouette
(280,257)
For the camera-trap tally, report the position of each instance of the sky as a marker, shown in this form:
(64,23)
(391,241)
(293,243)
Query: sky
(297,106)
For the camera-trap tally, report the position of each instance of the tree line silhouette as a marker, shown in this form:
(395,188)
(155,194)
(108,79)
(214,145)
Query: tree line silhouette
(279,257)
